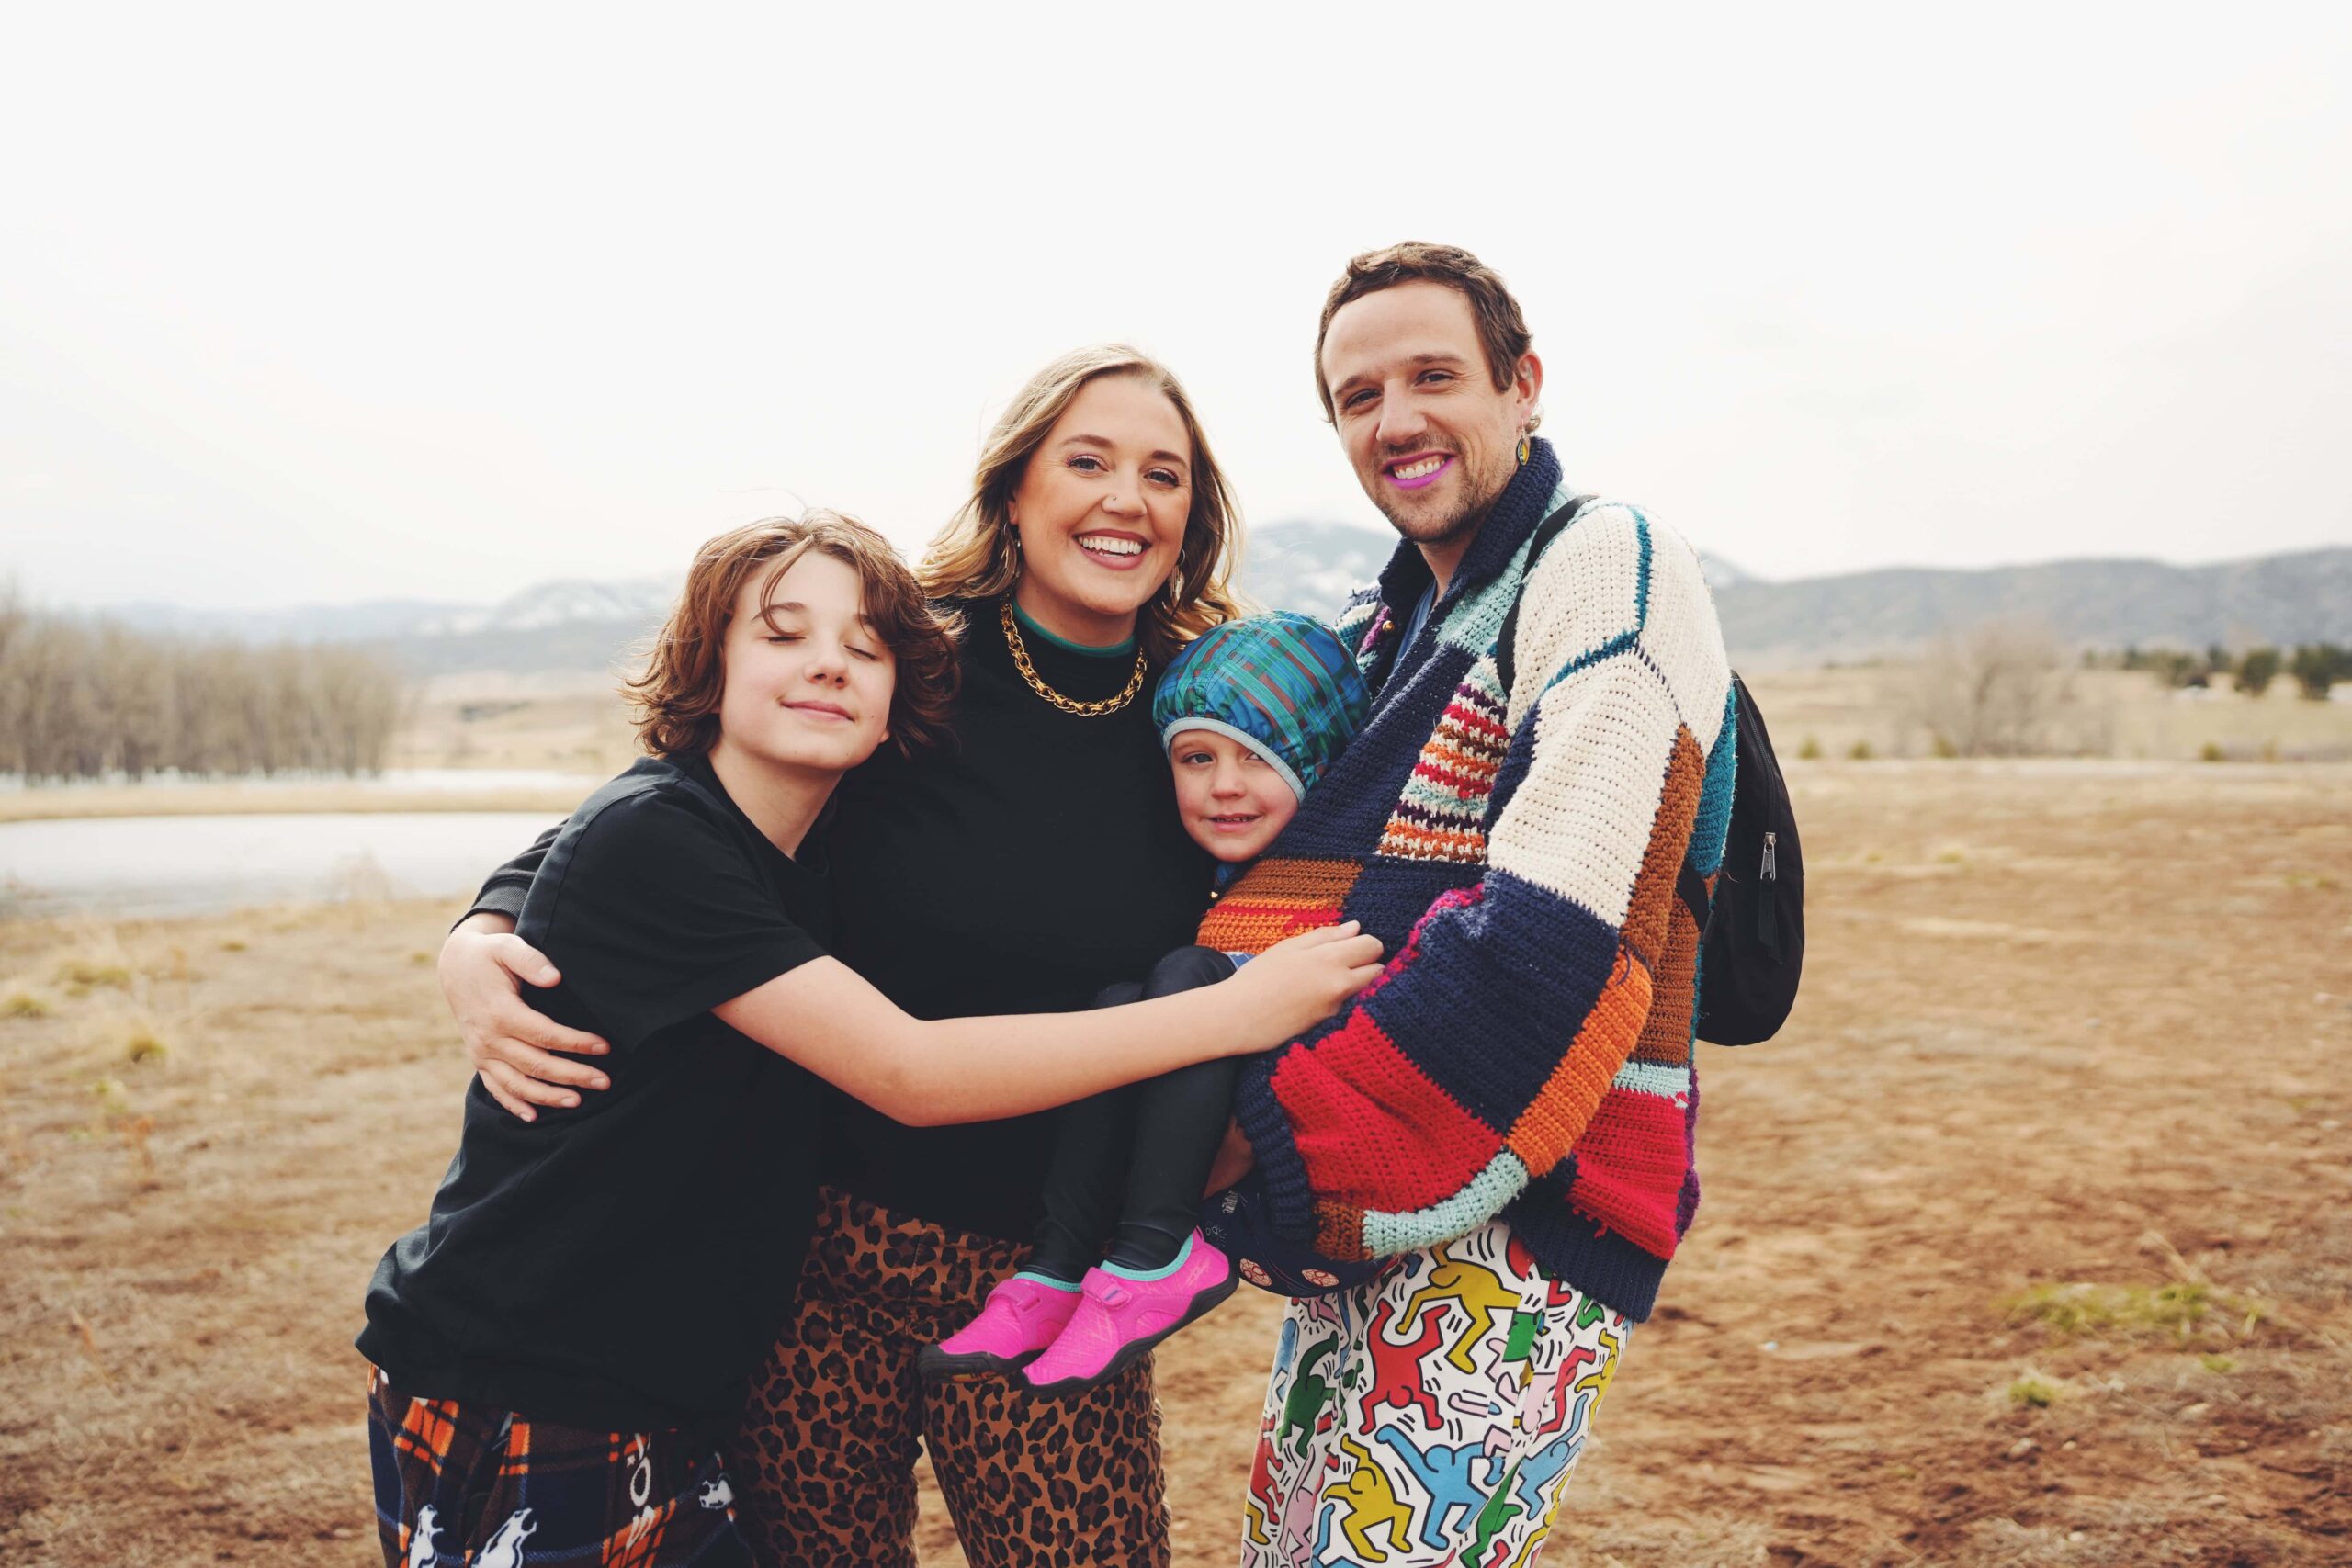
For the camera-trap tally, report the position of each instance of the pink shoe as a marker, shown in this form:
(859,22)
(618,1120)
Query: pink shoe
(1121,1317)
(1020,1318)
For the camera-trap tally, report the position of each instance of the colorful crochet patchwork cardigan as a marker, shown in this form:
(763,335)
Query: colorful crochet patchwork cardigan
(1528,1051)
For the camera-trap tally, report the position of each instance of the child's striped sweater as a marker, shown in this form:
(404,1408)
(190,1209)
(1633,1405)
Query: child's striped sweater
(1528,1051)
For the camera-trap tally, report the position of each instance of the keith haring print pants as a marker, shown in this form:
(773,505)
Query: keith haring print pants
(1429,1416)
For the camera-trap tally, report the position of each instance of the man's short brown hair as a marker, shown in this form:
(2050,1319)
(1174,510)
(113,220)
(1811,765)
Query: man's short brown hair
(1502,330)
(675,701)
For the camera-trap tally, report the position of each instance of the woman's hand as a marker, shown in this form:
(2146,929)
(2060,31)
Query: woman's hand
(1299,982)
(483,969)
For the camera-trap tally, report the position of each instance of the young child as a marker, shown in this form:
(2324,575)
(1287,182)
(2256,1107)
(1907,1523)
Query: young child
(558,1347)
(1251,713)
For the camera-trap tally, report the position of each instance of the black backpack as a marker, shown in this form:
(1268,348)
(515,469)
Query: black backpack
(1751,941)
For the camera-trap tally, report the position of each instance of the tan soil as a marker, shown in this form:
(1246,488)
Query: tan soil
(2062,1023)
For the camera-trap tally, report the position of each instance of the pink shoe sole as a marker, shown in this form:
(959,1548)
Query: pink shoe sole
(1021,1319)
(1107,1298)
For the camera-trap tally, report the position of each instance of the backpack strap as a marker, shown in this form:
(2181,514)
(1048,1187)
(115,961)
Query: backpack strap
(1551,528)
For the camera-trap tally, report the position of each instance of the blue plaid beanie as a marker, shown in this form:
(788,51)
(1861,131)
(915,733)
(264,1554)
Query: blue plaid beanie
(1284,685)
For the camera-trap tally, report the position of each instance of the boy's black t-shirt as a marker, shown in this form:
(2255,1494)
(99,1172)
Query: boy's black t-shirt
(624,1265)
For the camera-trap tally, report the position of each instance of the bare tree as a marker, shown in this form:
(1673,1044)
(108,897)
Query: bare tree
(14,621)
(1993,691)
(82,700)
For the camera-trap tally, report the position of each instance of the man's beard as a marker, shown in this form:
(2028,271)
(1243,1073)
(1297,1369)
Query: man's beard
(1448,527)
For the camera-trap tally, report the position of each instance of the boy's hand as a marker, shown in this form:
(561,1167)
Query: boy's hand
(1300,981)
(483,969)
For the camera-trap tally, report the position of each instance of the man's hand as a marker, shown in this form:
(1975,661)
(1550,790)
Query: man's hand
(484,966)
(1235,1158)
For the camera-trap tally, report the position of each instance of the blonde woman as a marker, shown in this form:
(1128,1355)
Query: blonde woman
(1032,860)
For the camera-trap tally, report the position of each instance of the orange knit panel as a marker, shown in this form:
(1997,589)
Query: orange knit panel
(1654,898)
(1338,1230)
(1278,899)
(1546,1128)
(1666,1035)
(1464,845)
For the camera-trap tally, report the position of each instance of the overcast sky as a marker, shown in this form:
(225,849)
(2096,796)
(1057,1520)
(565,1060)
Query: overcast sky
(324,304)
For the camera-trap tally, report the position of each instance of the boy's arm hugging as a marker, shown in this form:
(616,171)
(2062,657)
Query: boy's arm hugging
(1501,1027)
(823,1016)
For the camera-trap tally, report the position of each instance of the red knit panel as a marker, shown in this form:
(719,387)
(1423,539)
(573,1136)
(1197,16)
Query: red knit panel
(1630,1165)
(1278,899)
(1546,1128)
(1371,1128)
(1441,814)
(1450,766)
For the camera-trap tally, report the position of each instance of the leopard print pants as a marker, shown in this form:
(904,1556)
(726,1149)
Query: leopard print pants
(827,1450)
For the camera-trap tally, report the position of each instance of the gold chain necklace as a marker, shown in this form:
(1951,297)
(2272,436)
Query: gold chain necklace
(1068,704)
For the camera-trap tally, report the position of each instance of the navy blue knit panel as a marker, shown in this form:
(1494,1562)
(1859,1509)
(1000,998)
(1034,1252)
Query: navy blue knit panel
(1587,1255)
(1476,982)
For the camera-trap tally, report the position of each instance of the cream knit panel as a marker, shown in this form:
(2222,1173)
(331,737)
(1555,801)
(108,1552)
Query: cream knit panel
(1580,820)
(1609,679)
(1583,596)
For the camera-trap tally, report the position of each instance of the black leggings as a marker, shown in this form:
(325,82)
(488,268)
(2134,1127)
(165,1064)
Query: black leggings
(1129,1164)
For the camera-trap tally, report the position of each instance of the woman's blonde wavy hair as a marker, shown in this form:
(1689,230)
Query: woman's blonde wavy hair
(973,557)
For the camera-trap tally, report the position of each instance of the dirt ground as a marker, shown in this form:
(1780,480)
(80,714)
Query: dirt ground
(2026,1243)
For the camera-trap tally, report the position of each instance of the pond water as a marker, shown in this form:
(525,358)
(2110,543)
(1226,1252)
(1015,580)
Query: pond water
(390,780)
(144,867)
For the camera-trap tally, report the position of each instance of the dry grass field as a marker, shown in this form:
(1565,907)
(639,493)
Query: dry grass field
(2028,1243)
(2127,715)
(574,723)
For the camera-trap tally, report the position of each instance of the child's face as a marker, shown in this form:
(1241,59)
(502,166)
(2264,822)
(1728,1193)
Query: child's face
(1232,802)
(808,683)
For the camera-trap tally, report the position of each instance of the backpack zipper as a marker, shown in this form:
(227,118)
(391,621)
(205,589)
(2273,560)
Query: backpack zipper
(1768,926)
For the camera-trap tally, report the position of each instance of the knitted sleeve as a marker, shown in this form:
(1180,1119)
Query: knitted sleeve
(1478,1058)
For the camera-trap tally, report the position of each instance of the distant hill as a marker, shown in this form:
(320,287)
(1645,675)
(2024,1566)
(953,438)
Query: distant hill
(2283,600)
(1311,566)
(569,627)
(564,626)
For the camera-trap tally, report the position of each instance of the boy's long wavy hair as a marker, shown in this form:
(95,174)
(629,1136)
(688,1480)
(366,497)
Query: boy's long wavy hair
(973,557)
(675,702)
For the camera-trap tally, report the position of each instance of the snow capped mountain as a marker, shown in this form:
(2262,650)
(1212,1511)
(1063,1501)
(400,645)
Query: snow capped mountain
(564,602)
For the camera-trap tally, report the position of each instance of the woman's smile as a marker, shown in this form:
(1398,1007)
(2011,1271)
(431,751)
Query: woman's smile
(1117,551)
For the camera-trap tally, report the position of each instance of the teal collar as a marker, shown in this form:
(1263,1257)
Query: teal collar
(1029,627)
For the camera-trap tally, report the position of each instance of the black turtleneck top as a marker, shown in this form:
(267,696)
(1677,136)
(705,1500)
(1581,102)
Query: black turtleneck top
(1022,865)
